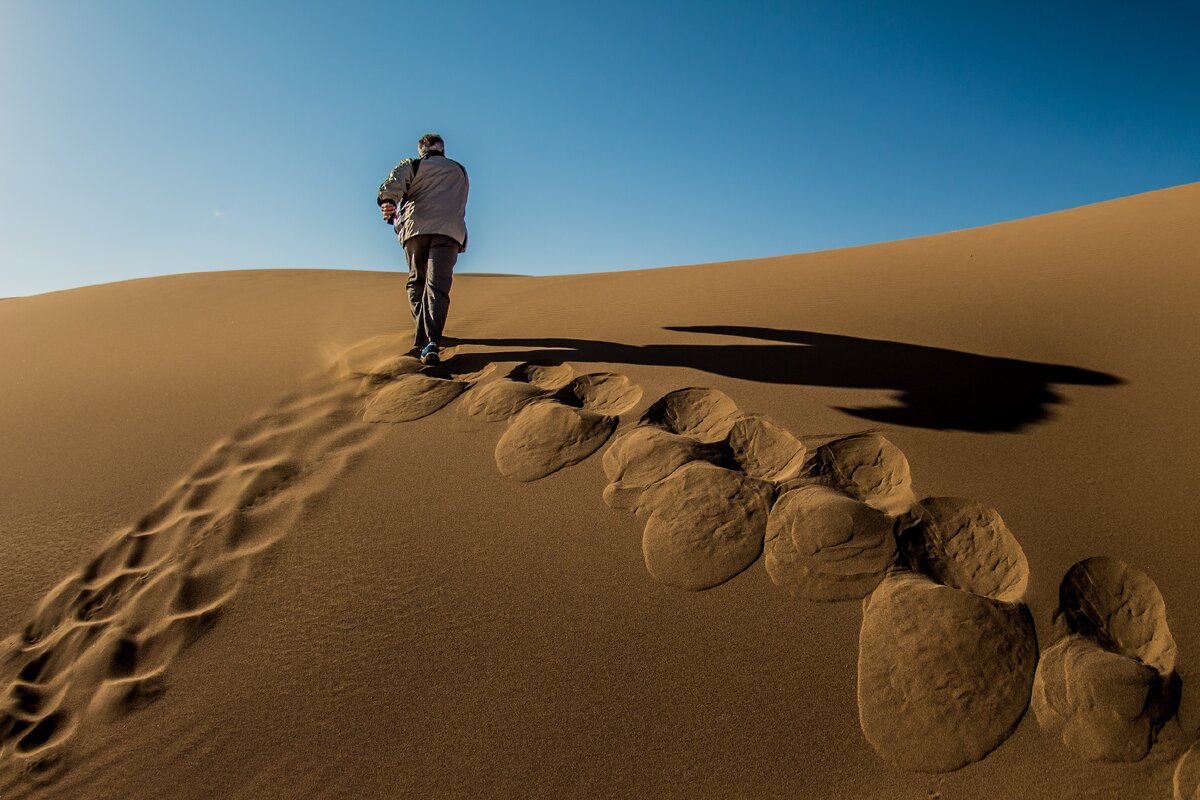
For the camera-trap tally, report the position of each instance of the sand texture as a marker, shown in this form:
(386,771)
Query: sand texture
(909,520)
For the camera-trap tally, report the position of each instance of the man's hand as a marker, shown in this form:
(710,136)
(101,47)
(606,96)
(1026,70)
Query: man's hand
(388,210)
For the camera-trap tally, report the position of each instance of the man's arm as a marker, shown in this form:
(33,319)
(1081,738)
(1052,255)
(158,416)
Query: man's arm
(395,187)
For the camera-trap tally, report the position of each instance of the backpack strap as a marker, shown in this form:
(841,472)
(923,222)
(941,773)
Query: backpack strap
(416,164)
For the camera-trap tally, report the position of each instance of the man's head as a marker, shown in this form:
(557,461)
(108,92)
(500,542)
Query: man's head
(431,144)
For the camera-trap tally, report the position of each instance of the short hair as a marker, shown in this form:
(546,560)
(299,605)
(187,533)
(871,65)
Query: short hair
(431,143)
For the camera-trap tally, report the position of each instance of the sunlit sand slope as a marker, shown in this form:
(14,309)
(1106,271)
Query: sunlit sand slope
(906,520)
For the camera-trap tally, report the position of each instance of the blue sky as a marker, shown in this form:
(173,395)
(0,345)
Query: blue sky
(143,137)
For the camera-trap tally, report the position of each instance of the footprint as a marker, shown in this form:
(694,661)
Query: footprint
(53,609)
(764,450)
(823,545)
(696,425)
(261,483)
(42,738)
(557,432)
(704,476)
(525,384)
(101,641)
(547,436)
(645,455)
(601,393)
(403,389)
(868,467)
(1108,686)
(966,546)
(943,675)
(705,415)
(705,525)
(947,650)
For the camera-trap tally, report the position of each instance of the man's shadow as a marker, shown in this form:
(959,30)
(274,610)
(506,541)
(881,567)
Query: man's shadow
(934,387)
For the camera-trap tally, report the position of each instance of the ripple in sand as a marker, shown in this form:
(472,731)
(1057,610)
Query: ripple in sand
(965,545)
(868,467)
(1109,685)
(547,436)
(705,525)
(822,545)
(944,676)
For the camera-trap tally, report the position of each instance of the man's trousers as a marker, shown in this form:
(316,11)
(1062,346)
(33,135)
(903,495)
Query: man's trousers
(431,259)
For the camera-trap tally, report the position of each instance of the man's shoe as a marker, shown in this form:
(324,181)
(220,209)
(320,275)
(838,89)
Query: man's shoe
(429,355)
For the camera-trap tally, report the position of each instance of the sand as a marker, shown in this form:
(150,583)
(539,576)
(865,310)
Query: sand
(906,520)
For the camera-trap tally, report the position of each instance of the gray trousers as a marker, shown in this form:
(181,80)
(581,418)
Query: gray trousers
(431,259)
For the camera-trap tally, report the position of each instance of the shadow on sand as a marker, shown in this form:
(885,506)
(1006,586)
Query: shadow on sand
(935,388)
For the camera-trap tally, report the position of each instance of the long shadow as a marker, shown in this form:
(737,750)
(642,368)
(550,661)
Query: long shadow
(935,388)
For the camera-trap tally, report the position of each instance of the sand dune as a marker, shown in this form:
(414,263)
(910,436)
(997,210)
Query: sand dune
(824,525)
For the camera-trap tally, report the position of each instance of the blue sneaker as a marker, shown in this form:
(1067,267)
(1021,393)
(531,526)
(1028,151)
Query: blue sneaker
(429,355)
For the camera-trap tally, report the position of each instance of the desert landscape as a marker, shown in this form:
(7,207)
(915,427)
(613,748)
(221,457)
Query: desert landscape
(906,520)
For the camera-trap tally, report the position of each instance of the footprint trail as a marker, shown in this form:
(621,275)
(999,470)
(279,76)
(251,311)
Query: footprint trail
(100,642)
(948,652)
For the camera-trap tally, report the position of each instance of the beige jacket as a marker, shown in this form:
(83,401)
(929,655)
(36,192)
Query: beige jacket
(434,201)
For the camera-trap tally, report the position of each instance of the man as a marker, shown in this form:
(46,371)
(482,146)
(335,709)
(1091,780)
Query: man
(425,200)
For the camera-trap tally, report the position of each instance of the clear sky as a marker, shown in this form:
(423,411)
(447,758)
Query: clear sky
(146,137)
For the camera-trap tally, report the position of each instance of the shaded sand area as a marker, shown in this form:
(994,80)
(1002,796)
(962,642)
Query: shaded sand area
(907,520)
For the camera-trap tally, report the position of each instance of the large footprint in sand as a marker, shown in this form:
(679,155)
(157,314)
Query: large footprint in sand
(704,525)
(402,389)
(525,383)
(831,534)
(826,546)
(100,642)
(702,472)
(867,467)
(947,650)
(703,476)
(1107,687)
(556,418)
(696,425)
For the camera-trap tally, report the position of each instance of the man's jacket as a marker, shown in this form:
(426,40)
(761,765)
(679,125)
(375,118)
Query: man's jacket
(434,200)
